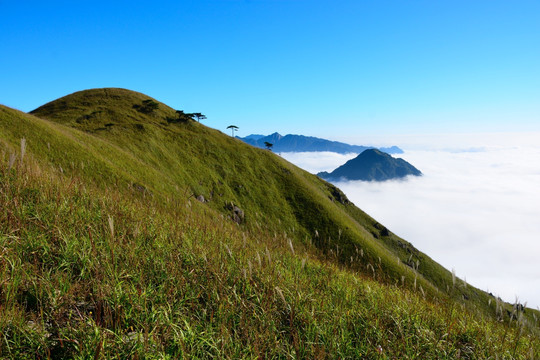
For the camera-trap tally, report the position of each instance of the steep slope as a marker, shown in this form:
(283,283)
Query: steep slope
(372,165)
(189,159)
(133,177)
(301,143)
(103,273)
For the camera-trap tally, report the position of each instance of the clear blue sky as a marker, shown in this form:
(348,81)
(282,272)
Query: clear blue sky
(323,68)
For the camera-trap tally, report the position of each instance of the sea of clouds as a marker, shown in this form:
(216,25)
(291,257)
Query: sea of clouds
(476,209)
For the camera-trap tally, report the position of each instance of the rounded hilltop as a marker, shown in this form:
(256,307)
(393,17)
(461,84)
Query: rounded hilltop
(97,108)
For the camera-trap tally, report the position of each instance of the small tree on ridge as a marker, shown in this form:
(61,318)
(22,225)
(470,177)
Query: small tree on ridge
(233,129)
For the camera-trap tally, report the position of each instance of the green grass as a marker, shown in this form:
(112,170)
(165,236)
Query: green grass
(191,159)
(113,257)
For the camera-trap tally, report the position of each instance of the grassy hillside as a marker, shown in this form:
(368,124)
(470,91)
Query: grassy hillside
(108,253)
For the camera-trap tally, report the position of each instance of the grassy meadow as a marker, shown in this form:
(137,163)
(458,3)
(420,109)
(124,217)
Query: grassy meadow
(105,252)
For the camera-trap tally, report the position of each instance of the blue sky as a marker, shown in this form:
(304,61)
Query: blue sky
(322,68)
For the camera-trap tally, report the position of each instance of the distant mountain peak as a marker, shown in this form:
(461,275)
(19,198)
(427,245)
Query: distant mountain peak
(372,165)
(273,138)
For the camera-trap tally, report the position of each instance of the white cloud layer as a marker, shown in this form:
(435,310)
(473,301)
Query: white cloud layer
(476,209)
(315,162)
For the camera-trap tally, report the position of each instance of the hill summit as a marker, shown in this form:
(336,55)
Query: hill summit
(372,165)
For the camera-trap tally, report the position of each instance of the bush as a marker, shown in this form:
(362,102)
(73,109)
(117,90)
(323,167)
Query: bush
(147,106)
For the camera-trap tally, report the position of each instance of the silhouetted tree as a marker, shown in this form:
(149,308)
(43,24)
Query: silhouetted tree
(233,129)
(199,116)
(182,116)
(268,145)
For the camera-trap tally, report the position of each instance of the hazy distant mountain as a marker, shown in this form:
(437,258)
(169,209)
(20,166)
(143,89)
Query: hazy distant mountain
(254,137)
(372,165)
(300,143)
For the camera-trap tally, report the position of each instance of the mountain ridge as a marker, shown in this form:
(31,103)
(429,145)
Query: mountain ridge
(302,143)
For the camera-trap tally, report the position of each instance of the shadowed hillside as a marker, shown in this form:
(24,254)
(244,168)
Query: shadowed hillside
(136,232)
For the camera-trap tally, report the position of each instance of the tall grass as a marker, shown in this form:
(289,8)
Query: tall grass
(87,272)
(98,136)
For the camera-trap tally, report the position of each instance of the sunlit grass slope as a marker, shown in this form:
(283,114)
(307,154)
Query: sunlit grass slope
(178,160)
(106,251)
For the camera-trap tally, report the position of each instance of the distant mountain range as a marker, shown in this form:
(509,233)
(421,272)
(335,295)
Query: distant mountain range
(301,143)
(372,165)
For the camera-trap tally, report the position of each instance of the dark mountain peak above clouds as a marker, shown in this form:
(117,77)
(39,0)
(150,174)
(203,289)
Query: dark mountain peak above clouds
(302,143)
(372,165)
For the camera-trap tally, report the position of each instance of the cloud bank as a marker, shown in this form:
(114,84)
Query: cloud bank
(476,209)
(315,162)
